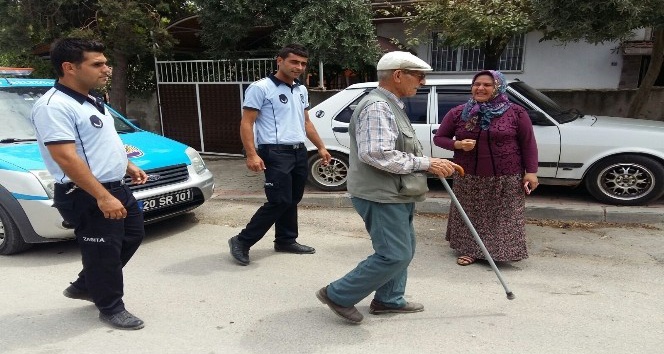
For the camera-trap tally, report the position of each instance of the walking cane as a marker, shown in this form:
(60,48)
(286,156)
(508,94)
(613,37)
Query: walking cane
(478,240)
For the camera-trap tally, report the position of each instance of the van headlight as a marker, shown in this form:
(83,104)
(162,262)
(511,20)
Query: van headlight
(47,181)
(196,160)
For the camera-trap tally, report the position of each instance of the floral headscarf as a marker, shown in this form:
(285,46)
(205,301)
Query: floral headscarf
(494,107)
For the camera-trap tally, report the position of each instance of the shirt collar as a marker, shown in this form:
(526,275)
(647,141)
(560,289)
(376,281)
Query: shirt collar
(71,93)
(80,98)
(392,96)
(279,82)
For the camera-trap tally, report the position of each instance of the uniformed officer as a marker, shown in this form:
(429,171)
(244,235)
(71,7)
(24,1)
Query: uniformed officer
(277,108)
(83,152)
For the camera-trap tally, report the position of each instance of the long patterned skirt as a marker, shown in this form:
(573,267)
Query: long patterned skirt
(495,206)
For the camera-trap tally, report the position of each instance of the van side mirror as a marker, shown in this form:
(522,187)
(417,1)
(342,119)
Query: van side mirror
(538,118)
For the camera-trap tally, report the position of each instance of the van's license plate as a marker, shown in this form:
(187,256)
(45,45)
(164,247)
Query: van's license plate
(168,199)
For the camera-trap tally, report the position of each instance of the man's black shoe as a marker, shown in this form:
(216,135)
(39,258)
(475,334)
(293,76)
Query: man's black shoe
(122,320)
(294,248)
(73,292)
(239,252)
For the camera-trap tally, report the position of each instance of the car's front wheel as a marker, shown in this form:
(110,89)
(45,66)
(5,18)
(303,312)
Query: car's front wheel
(626,180)
(331,177)
(10,237)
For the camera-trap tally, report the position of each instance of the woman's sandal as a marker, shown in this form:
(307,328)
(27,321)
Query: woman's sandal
(465,260)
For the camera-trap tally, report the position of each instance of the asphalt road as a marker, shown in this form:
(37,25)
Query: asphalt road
(585,288)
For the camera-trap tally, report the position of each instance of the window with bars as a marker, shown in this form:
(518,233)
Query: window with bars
(448,58)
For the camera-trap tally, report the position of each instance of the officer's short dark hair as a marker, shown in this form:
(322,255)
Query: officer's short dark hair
(293,48)
(72,50)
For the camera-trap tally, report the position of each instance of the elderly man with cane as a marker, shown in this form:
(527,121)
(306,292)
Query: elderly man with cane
(387,176)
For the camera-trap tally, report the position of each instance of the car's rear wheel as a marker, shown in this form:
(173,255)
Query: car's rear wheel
(10,238)
(331,177)
(626,180)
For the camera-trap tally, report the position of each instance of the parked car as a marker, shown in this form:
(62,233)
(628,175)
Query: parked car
(620,160)
(178,180)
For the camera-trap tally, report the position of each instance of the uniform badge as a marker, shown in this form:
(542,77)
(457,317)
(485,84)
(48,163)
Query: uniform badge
(283,98)
(96,122)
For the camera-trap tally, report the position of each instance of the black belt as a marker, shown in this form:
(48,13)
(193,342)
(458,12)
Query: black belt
(114,184)
(281,146)
(107,185)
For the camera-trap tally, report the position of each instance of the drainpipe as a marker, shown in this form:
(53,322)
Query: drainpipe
(321,84)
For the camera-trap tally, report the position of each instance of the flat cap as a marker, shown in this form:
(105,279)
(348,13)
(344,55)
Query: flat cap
(402,60)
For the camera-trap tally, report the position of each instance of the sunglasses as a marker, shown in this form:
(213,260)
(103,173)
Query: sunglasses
(418,74)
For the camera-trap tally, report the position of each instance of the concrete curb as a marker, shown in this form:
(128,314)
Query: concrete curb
(534,210)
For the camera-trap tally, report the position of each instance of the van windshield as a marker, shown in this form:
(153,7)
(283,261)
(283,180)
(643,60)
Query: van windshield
(15,109)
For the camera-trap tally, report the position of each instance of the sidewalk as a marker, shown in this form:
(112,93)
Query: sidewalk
(235,182)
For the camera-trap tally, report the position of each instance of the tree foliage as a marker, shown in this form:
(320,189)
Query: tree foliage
(598,21)
(489,24)
(130,30)
(337,32)
(227,24)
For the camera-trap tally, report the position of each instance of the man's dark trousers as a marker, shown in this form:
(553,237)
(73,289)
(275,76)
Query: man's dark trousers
(106,244)
(285,177)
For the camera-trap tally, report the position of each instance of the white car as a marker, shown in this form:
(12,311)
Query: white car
(620,160)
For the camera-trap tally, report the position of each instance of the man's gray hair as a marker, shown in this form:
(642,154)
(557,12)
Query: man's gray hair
(384,74)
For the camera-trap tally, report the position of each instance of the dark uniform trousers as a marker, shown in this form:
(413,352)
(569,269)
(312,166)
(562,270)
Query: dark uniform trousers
(106,244)
(285,177)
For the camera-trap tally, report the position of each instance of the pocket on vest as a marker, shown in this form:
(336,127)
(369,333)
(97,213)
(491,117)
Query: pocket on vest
(413,184)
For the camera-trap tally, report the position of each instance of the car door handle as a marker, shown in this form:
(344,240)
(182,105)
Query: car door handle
(434,131)
(340,129)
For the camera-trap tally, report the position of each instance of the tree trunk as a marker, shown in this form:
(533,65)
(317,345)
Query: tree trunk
(118,94)
(493,49)
(643,93)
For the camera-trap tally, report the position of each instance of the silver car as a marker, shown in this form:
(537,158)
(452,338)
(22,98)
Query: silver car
(620,160)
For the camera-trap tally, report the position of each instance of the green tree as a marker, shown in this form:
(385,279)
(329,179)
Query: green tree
(131,30)
(227,25)
(489,24)
(597,21)
(338,33)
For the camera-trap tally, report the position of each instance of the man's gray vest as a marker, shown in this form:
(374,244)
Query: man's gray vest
(370,183)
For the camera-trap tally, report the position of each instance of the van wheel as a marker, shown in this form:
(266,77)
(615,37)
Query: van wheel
(626,180)
(10,238)
(331,177)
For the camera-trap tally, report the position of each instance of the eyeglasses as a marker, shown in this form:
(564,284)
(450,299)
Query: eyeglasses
(419,75)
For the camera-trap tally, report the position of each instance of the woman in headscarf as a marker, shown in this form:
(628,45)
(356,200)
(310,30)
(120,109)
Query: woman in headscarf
(493,141)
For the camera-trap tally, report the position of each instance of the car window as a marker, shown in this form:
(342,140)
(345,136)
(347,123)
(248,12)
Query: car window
(346,113)
(450,97)
(121,126)
(416,106)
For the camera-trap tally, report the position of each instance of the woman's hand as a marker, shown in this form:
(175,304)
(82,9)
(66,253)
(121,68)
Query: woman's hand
(530,182)
(465,144)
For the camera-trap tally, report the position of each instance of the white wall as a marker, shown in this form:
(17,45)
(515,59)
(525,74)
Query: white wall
(547,65)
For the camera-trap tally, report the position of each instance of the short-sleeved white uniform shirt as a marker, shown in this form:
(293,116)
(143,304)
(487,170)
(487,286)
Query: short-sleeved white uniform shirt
(280,110)
(63,115)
